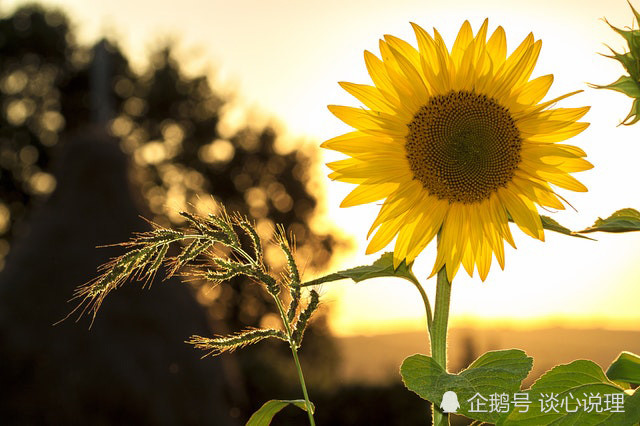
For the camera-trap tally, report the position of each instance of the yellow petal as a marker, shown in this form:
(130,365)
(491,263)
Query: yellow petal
(366,169)
(401,249)
(385,234)
(394,72)
(499,218)
(482,32)
(548,199)
(547,104)
(551,150)
(418,89)
(430,61)
(444,60)
(497,47)
(563,180)
(342,178)
(574,165)
(468,260)
(378,73)
(491,230)
(533,91)
(515,73)
(454,238)
(517,54)
(364,194)
(376,123)
(404,48)
(403,199)
(523,212)
(427,46)
(370,96)
(561,135)
(464,38)
(360,144)
(483,260)
(429,226)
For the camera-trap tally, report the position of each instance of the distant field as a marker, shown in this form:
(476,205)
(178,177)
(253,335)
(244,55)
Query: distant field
(376,359)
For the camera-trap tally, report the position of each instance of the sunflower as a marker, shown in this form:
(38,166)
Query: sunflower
(457,143)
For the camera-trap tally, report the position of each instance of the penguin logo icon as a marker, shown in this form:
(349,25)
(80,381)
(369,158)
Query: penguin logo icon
(450,402)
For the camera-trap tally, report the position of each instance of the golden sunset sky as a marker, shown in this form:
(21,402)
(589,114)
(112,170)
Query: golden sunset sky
(283,59)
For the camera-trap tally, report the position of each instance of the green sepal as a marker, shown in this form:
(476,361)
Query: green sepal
(629,85)
(634,114)
(635,37)
(265,414)
(632,37)
(624,84)
(628,60)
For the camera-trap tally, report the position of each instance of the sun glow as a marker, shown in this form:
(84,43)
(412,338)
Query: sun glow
(286,59)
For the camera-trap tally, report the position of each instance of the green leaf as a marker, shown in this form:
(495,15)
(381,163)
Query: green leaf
(495,372)
(265,414)
(383,267)
(552,225)
(632,408)
(564,394)
(625,369)
(625,220)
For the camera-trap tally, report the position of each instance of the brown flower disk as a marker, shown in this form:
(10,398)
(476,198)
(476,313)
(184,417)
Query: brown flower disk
(463,146)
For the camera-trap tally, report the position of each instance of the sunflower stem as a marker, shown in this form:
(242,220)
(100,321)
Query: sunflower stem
(438,334)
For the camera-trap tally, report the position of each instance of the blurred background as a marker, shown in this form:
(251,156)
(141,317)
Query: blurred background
(114,111)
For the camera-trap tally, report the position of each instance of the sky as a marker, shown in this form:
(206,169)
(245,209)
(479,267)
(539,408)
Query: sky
(282,61)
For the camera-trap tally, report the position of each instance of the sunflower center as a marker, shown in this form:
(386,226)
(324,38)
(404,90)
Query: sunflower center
(463,146)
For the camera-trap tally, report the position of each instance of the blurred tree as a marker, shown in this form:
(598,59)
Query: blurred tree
(167,122)
(36,56)
(132,368)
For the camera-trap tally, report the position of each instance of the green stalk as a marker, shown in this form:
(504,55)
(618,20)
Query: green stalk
(307,402)
(439,334)
(292,343)
(294,352)
(427,306)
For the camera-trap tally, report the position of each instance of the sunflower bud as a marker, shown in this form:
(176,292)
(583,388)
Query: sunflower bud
(628,84)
